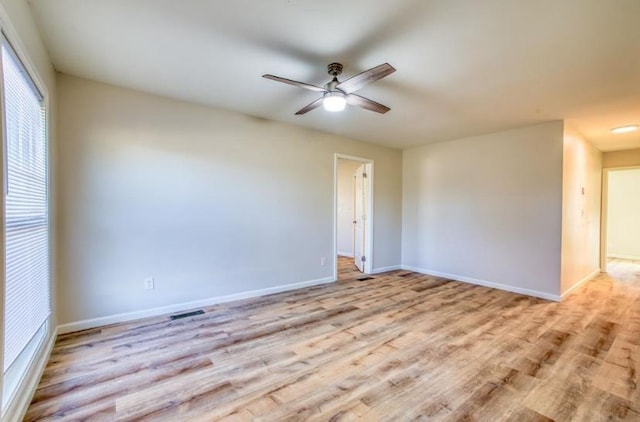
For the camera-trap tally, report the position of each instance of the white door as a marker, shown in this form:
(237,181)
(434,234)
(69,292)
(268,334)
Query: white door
(360,216)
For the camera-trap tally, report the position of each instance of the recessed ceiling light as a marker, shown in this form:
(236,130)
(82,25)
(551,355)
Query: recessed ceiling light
(624,129)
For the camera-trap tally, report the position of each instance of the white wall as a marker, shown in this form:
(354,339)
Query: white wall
(19,25)
(625,158)
(623,222)
(346,170)
(581,200)
(487,209)
(208,202)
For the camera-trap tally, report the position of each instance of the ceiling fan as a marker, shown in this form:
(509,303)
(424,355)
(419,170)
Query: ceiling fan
(336,95)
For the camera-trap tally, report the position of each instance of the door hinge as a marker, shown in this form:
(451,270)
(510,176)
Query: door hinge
(355,222)
(364,175)
(363,259)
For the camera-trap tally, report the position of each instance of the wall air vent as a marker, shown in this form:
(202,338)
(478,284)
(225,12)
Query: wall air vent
(187,314)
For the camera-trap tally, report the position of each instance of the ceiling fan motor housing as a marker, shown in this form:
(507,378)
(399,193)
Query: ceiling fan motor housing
(331,86)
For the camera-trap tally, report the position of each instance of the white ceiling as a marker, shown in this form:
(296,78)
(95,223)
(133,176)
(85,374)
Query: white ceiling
(463,67)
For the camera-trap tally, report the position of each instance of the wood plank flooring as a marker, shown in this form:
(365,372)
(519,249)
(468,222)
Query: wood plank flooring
(347,270)
(402,346)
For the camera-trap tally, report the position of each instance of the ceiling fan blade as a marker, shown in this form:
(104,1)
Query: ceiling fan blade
(358,101)
(295,83)
(358,81)
(317,103)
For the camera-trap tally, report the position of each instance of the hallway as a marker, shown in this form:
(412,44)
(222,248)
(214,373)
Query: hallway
(624,270)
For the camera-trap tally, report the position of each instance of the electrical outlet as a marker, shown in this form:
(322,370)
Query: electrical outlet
(149,284)
(323,262)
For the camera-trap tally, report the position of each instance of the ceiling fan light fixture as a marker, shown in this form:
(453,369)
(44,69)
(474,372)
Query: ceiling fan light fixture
(334,101)
(625,129)
(336,94)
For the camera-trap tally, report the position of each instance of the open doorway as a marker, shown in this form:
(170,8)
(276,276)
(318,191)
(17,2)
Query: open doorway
(620,254)
(353,215)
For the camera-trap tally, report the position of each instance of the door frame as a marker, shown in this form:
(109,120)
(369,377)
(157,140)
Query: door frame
(368,228)
(604,211)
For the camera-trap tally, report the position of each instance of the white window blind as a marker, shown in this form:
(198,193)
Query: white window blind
(27,288)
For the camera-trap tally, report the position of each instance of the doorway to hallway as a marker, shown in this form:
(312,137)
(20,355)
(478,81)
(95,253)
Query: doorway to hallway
(353,214)
(621,221)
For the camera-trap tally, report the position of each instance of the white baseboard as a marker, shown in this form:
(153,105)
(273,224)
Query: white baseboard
(185,306)
(580,283)
(22,399)
(345,254)
(622,256)
(385,269)
(491,284)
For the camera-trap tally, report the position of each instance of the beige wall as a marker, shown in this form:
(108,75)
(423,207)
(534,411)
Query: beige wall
(346,170)
(18,24)
(626,158)
(581,198)
(623,221)
(487,209)
(208,202)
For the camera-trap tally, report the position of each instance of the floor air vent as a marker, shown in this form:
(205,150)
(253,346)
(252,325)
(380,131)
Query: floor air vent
(365,278)
(187,314)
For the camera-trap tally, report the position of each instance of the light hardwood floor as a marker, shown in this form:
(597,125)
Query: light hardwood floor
(347,270)
(401,346)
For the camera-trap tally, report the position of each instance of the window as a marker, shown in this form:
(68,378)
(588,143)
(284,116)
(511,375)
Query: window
(27,287)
